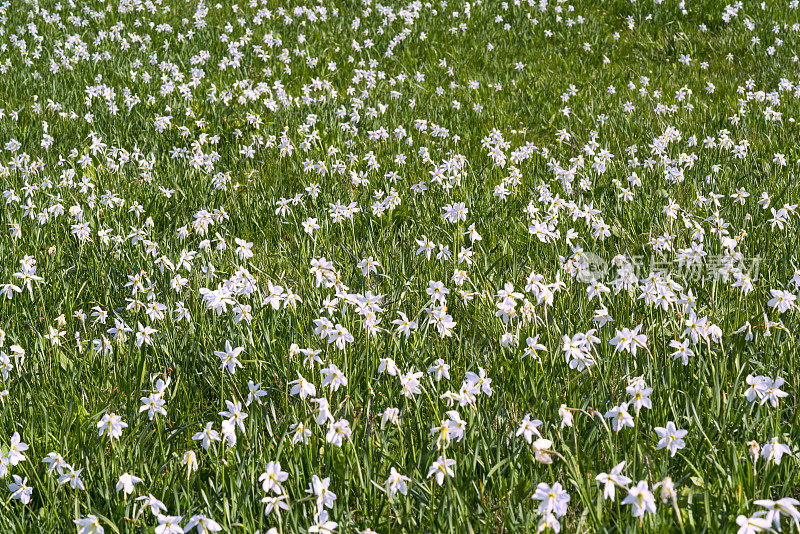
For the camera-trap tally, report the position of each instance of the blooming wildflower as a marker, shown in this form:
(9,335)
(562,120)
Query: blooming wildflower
(126,483)
(272,478)
(89,525)
(440,468)
(612,480)
(641,499)
(112,425)
(397,483)
(671,438)
(20,490)
(202,525)
(552,499)
(620,417)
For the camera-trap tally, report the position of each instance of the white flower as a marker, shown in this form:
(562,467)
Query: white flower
(553,499)
(441,468)
(319,488)
(397,483)
(202,524)
(628,340)
(207,435)
(612,480)
(229,357)
(620,417)
(89,525)
(302,387)
(20,490)
(15,449)
(670,438)
(272,478)
(112,425)
(169,524)
(338,432)
(773,451)
(529,428)
(781,300)
(126,483)
(641,499)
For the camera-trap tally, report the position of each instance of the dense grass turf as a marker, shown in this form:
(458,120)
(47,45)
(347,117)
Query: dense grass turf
(424,267)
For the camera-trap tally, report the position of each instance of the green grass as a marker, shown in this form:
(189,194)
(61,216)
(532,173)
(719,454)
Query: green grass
(58,394)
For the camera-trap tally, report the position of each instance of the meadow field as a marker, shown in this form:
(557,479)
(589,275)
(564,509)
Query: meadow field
(351,266)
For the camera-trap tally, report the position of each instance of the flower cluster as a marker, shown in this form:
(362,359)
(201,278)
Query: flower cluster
(525,265)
